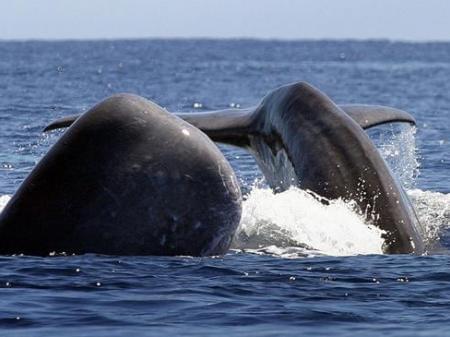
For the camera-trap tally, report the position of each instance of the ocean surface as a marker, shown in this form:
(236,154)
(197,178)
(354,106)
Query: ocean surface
(340,285)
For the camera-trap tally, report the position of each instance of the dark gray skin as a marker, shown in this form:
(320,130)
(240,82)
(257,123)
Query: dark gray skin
(127,178)
(300,137)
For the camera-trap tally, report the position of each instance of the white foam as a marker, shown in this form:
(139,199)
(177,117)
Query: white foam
(433,210)
(3,201)
(297,218)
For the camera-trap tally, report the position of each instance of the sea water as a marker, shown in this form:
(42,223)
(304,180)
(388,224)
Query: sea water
(297,266)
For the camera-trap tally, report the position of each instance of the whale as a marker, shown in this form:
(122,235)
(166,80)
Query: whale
(127,178)
(300,137)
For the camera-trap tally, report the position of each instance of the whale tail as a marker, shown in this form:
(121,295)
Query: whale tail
(299,136)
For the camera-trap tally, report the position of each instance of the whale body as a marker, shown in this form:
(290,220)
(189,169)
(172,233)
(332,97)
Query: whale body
(127,178)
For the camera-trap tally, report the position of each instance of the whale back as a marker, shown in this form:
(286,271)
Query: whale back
(127,178)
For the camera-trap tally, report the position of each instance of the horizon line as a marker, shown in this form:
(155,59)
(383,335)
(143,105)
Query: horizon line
(206,38)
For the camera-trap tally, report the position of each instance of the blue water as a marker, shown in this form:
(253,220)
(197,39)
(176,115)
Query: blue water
(342,286)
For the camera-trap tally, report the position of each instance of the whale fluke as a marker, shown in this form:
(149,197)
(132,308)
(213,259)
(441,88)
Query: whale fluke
(63,122)
(368,116)
(221,124)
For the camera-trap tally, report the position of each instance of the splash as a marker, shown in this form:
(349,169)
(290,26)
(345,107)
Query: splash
(397,145)
(297,218)
(3,201)
(295,223)
(433,210)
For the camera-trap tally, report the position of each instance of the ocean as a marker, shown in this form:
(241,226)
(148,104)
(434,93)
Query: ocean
(312,269)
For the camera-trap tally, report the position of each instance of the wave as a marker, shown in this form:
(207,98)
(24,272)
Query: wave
(298,218)
(296,223)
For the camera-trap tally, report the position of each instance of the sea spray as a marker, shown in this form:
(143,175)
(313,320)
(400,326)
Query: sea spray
(433,210)
(397,145)
(298,218)
(3,201)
